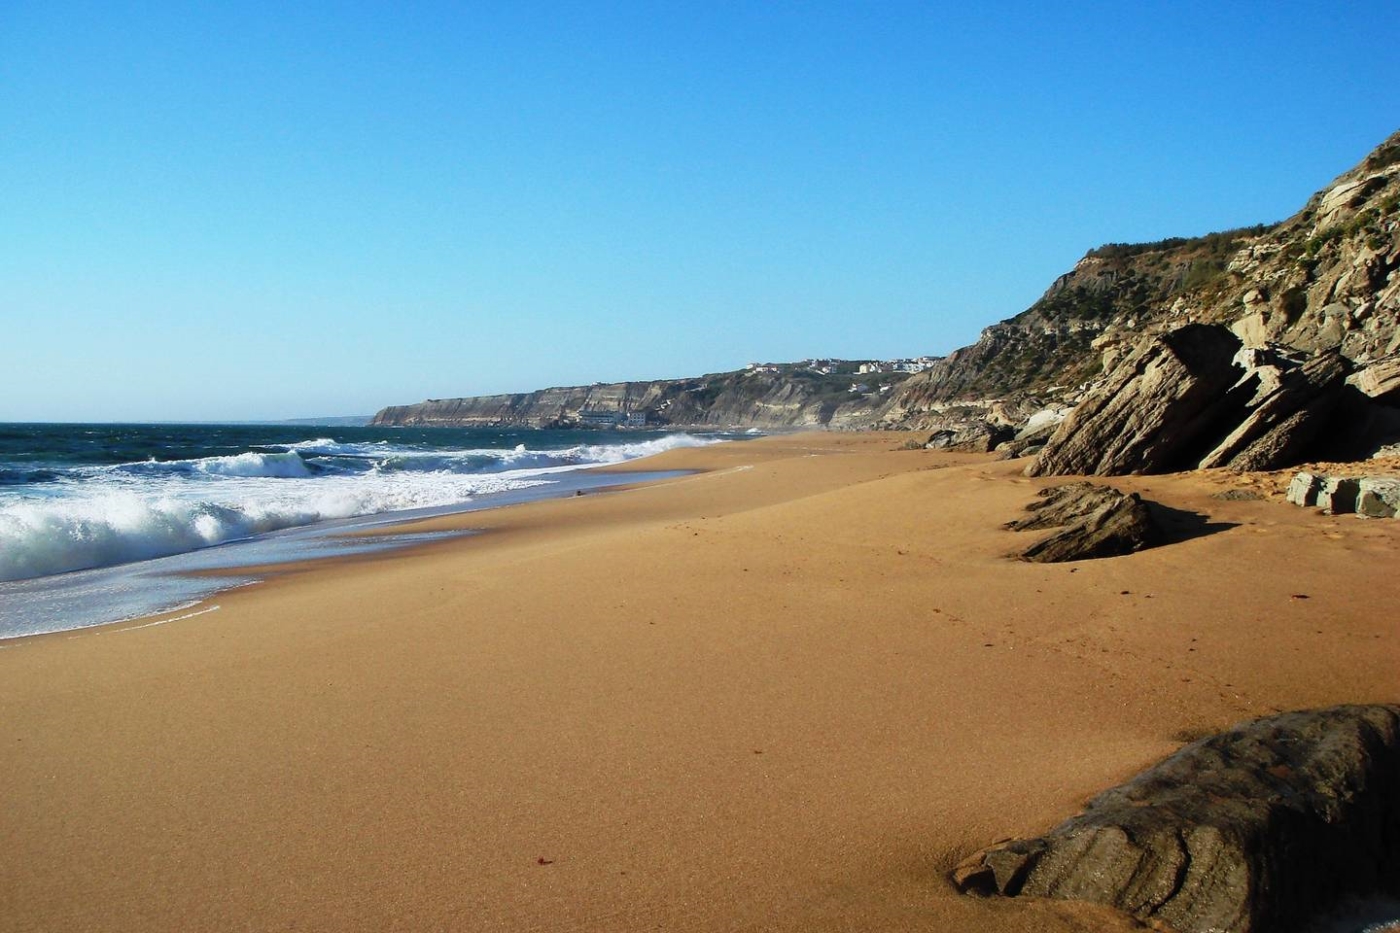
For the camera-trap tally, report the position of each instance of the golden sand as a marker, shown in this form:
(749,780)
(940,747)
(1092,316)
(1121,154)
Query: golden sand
(787,693)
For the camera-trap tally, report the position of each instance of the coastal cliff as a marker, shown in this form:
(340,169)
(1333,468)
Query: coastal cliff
(1283,342)
(792,396)
(1273,299)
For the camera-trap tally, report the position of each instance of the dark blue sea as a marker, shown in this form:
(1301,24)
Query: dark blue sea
(102,522)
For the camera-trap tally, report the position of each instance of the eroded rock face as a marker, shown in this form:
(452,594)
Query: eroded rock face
(1157,411)
(1284,420)
(1177,403)
(1256,829)
(1095,521)
(1327,277)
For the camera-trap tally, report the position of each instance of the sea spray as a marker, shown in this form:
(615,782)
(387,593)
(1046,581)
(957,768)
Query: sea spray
(65,506)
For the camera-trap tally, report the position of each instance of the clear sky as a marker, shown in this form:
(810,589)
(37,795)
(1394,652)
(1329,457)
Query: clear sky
(225,210)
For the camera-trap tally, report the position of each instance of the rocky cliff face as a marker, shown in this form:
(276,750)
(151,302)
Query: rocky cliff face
(1054,348)
(1327,280)
(792,398)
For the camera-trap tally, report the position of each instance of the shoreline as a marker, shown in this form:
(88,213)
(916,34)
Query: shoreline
(788,692)
(188,578)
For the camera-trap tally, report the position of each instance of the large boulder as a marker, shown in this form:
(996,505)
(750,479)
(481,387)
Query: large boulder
(1095,521)
(1259,828)
(1160,409)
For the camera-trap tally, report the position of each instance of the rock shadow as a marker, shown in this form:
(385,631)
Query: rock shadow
(1178,525)
(1095,521)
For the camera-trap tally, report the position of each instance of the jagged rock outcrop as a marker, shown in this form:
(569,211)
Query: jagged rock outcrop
(1325,281)
(1285,416)
(1095,521)
(1158,407)
(1177,403)
(1259,828)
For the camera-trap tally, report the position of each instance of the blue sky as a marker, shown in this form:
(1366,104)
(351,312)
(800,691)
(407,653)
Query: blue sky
(275,210)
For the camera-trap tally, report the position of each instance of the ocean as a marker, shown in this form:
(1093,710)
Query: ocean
(105,522)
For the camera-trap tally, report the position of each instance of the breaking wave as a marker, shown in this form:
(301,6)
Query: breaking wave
(139,511)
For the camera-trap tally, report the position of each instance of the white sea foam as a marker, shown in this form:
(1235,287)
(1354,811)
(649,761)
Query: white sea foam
(599,454)
(100,526)
(285,465)
(143,511)
(277,466)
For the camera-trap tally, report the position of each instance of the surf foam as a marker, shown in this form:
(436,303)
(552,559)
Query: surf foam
(137,512)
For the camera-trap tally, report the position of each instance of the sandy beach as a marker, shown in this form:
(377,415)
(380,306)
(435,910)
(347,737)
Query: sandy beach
(787,692)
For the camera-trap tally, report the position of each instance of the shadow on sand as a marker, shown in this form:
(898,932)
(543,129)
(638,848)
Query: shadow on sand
(1179,525)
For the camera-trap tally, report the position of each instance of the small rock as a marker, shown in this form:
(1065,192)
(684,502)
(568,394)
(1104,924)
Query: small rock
(1239,495)
(1337,496)
(1378,497)
(1303,490)
(1063,505)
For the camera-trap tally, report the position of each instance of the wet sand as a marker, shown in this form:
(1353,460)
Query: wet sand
(786,693)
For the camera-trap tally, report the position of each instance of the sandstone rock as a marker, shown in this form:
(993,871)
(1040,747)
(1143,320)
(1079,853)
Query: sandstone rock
(1285,419)
(1155,412)
(1096,521)
(1378,497)
(1304,488)
(1042,423)
(1026,442)
(1252,329)
(971,437)
(1337,495)
(1058,506)
(1259,828)
(1380,380)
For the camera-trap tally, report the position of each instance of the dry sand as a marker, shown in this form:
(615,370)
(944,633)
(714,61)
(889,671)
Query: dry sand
(785,694)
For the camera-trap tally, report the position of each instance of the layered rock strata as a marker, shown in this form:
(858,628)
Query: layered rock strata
(1165,401)
(1309,301)
(1259,828)
(1093,521)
